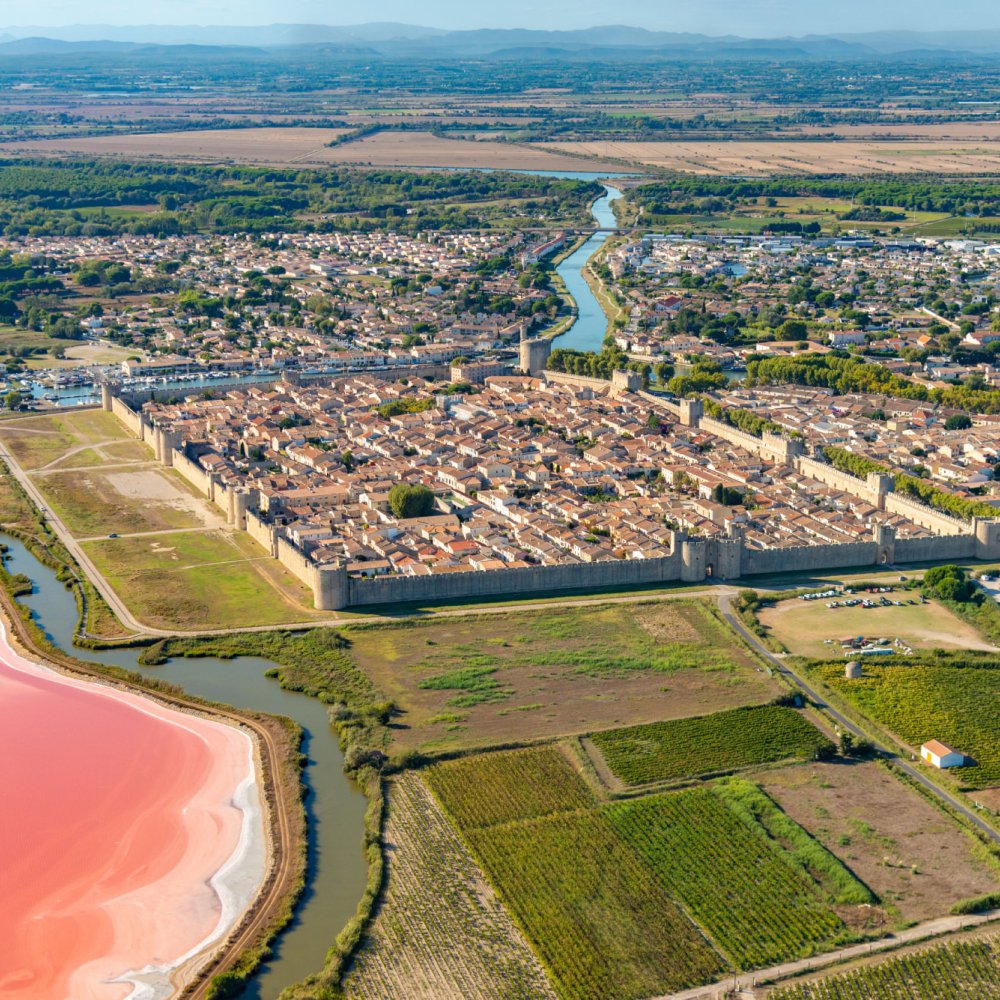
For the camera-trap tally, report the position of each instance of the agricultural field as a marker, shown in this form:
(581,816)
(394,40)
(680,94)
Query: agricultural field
(603,926)
(724,741)
(439,932)
(761,158)
(523,784)
(279,146)
(922,701)
(643,896)
(489,678)
(897,842)
(803,626)
(757,906)
(310,147)
(423,149)
(960,970)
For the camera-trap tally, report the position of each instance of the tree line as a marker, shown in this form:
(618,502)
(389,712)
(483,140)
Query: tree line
(963,508)
(845,374)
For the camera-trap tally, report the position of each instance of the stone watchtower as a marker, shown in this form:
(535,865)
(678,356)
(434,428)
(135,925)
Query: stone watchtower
(885,541)
(987,532)
(625,381)
(533,355)
(692,410)
(880,485)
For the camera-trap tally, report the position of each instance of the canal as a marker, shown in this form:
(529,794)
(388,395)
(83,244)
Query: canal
(335,806)
(591,324)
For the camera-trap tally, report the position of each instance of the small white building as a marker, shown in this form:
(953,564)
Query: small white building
(937,754)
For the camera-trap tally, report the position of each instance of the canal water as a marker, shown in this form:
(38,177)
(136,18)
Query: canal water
(591,324)
(335,807)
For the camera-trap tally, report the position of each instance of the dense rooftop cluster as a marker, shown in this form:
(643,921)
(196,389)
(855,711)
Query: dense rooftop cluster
(524,471)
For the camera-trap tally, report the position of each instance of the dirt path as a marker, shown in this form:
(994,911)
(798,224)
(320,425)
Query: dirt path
(93,446)
(922,932)
(607,776)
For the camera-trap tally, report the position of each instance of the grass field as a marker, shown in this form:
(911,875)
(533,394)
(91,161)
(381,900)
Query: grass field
(918,702)
(685,748)
(756,905)
(465,946)
(802,626)
(37,441)
(203,579)
(961,970)
(957,226)
(492,678)
(825,211)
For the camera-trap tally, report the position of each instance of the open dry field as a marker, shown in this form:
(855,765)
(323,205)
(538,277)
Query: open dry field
(480,680)
(284,146)
(439,932)
(253,145)
(806,157)
(979,131)
(83,355)
(422,149)
(73,439)
(802,626)
(901,846)
(199,579)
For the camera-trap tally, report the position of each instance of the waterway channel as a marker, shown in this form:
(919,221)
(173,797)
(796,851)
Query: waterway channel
(591,324)
(335,806)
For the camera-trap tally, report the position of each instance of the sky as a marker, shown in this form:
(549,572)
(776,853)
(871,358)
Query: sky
(754,18)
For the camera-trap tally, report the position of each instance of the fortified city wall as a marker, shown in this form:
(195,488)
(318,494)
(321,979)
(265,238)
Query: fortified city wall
(689,560)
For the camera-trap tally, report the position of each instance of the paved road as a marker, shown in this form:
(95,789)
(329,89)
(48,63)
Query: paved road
(725,606)
(922,932)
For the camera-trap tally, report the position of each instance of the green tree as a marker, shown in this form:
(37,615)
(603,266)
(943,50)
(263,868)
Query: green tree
(410,501)
(792,329)
(950,583)
(12,400)
(958,422)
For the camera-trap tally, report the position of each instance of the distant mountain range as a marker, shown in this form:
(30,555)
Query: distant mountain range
(612,42)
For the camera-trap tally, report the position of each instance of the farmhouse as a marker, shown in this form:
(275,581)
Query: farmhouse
(939,755)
